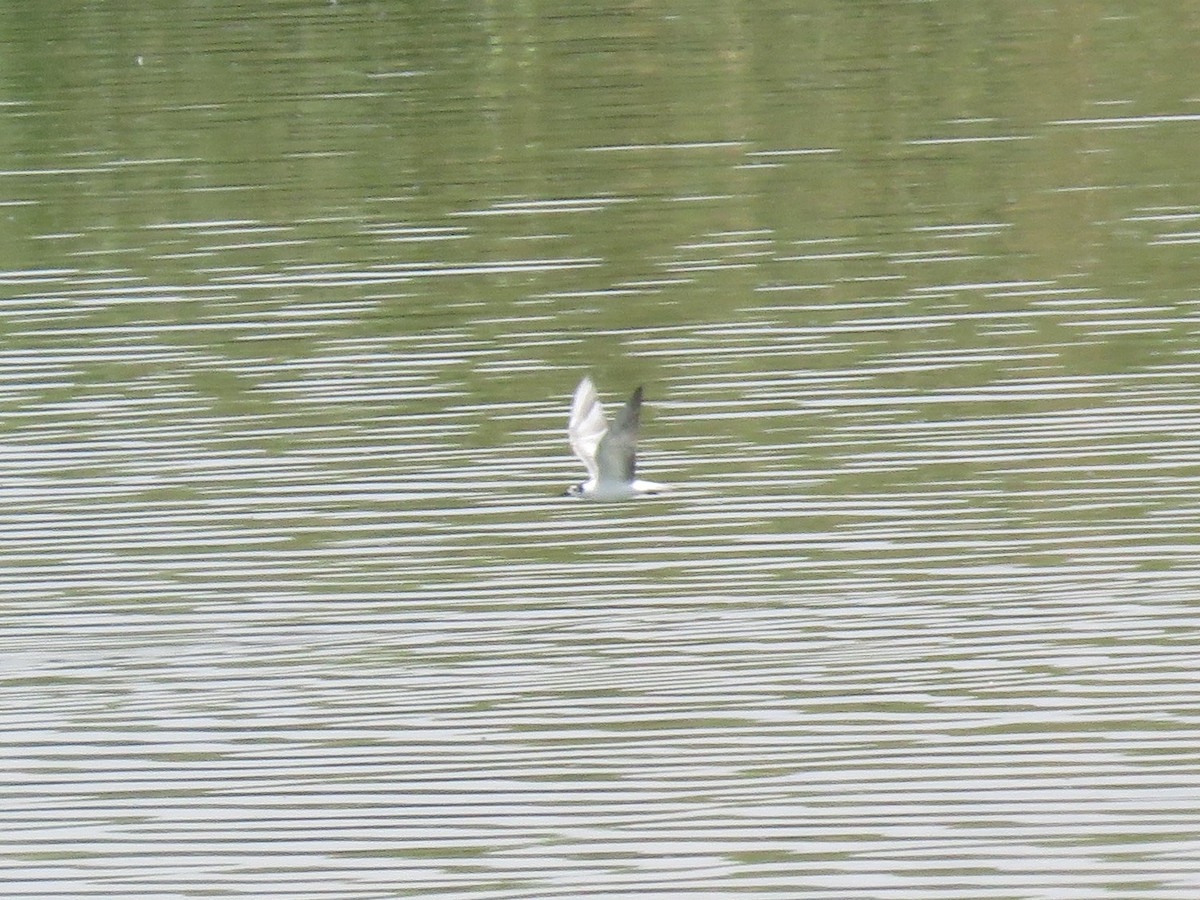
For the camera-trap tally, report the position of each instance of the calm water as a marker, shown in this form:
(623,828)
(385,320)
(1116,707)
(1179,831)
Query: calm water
(292,303)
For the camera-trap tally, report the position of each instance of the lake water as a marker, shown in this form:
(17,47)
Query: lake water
(292,302)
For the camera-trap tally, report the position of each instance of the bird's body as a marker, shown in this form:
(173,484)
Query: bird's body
(608,453)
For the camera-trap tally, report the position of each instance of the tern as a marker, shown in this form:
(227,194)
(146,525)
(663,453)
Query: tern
(607,452)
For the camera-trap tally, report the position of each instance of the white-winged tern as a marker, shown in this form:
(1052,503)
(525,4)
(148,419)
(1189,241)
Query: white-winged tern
(607,452)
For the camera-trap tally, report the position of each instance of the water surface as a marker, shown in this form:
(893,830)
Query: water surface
(292,303)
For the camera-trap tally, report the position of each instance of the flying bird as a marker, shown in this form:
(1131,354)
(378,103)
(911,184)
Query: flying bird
(608,452)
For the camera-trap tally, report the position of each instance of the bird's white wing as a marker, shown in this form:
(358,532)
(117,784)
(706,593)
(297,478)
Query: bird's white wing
(616,456)
(587,425)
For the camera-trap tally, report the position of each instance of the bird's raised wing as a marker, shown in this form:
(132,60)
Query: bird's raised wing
(587,425)
(616,456)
